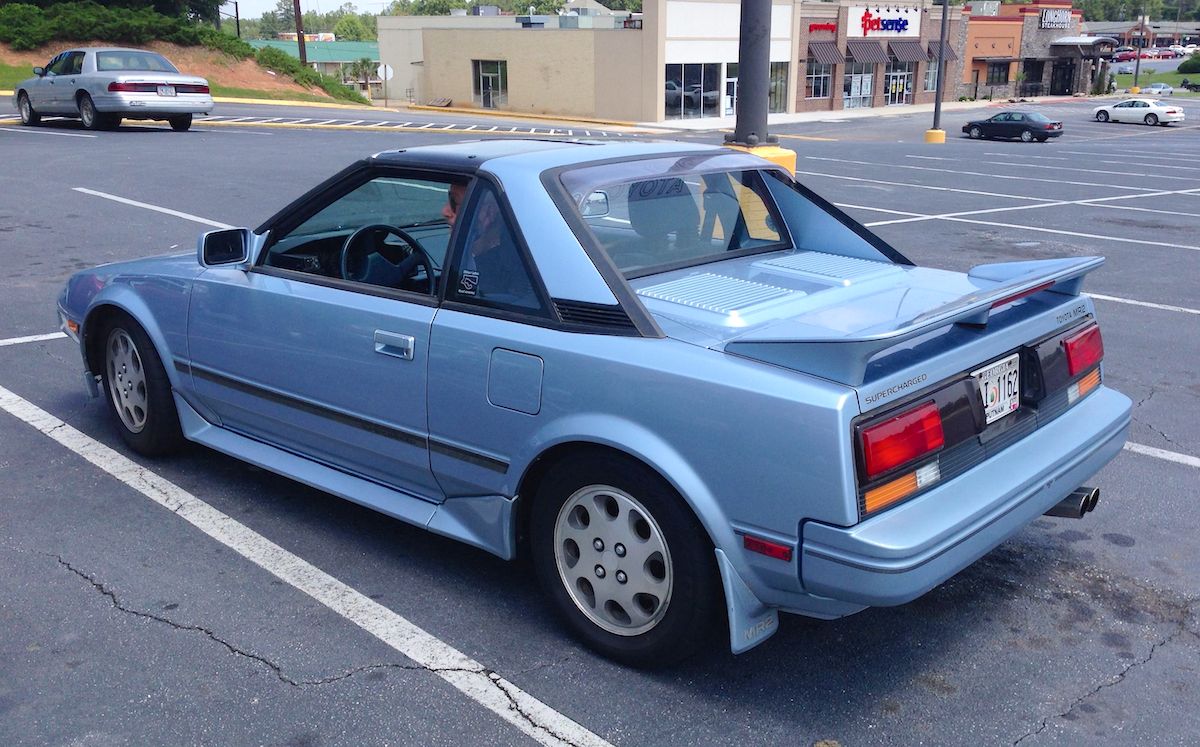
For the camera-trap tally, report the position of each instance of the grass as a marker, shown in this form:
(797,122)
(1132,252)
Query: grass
(1172,79)
(11,75)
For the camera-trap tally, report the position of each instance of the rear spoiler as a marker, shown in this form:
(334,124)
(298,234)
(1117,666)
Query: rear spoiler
(845,359)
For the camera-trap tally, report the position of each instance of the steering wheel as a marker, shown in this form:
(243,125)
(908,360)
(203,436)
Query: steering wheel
(355,271)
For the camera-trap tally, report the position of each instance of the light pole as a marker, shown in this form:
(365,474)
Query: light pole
(754,83)
(937,134)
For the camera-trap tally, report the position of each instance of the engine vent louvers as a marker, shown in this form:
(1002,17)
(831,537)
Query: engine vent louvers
(594,315)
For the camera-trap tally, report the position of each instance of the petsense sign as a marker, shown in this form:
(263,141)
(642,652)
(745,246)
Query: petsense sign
(889,22)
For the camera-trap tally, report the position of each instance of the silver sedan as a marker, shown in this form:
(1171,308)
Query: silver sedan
(102,85)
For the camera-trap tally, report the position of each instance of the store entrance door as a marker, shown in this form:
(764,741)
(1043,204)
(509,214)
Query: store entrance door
(1062,78)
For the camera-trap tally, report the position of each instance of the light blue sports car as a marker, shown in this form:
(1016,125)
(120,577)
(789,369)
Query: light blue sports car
(690,388)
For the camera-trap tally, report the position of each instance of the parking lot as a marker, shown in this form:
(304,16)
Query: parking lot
(199,600)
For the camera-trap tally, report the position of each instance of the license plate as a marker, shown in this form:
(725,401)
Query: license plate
(166,90)
(1000,387)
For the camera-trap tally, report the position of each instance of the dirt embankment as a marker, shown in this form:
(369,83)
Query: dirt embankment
(219,68)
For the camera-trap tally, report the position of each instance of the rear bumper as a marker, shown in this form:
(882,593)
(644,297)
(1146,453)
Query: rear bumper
(150,105)
(906,551)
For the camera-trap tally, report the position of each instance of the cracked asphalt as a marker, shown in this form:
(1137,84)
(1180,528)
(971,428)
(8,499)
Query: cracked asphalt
(120,624)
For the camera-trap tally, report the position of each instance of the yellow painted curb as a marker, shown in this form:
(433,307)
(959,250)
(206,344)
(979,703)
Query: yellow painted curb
(363,128)
(935,136)
(9,121)
(286,102)
(518,115)
(773,153)
(6,93)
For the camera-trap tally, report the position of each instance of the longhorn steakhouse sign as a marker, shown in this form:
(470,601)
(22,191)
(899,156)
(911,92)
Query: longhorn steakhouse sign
(887,22)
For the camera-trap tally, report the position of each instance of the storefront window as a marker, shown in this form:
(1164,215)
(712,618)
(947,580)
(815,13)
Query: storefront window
(777,99)
(897,81)
(931,73)
(490,82)
(817,80)
(693,90)
(997,74)
(857,84)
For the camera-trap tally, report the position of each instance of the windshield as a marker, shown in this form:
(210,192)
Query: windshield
(663,212)
(142,62)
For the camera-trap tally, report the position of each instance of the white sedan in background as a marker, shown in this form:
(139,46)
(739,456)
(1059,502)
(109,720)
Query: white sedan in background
(1150,111)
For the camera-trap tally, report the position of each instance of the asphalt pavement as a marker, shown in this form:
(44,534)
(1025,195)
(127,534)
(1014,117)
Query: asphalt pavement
(122,623)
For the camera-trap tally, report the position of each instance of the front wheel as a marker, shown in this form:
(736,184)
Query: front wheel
(1102,116)
(624,560)
(1026,136)
(1151,119)
(181,123)
(139,392)
(975,133)
(28,116)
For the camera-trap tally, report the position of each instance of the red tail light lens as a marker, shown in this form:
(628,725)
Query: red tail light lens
(1084,349)
(116,87)
(901,439)
(191,88)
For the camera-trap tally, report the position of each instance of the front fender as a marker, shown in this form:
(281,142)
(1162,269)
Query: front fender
(169,342)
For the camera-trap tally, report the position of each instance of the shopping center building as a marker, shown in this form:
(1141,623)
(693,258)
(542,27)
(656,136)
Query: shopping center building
(675,60)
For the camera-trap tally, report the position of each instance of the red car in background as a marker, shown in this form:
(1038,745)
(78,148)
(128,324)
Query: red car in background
(1126,55)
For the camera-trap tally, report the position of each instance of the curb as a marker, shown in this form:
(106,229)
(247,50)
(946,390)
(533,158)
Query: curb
(288,102)
(465,134)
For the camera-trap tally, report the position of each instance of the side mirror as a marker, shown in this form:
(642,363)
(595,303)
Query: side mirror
(39,71)
(224,247)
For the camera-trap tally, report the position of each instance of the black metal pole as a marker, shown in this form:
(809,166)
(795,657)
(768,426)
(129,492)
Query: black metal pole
(941,63)
(754,74)
(237,20)
(299,31)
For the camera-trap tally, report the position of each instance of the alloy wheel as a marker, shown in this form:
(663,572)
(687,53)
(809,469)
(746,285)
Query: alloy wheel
(126,380)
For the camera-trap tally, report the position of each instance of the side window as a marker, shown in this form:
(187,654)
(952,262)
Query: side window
(489,269)
(75,65)
(1018,117)
(390,231)
(59,65)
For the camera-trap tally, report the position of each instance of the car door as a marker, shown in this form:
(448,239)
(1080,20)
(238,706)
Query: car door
(67,84)
(996,126)
(43,94)
(1116,111)
(490,346)
(1016,124)
(293,353)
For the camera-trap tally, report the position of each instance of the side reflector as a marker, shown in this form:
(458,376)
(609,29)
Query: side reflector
(903,438)
(1083,386)
(768,548)
(1084,349)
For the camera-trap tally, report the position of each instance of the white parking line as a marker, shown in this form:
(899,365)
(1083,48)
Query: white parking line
(1147,304)
(28,131)
(1170,456)
(1142,155)
(982,173)
(1017,165)
(155,208)
(31,338)
(1109,155)
(520,709)
(934,188)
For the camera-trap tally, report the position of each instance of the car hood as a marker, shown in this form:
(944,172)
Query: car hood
(827,314)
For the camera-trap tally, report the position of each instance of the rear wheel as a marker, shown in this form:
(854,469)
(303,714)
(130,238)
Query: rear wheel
(139,392)
(1151,119)
(1026,136)
(181,123)
(87,112)
(975,133)
(28,116)
(1101,116)
(624,560)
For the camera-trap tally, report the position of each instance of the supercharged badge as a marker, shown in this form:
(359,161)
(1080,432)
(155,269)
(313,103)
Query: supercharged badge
(877,396)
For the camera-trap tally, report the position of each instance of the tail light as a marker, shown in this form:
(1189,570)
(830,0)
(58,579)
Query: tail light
(119,87)
(1051,126)
(1084,349)
(190,88)
(901,439)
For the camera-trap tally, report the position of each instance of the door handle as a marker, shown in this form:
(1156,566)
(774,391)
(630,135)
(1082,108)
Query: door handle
(395,345)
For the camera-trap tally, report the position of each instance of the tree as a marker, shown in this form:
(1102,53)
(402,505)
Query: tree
(270,25)
(350,28)
(360,70)
(436,7)
(399,8)
(286,15)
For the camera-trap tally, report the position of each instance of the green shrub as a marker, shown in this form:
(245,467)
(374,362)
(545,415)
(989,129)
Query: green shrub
(282,62)
(1190,65)
(24,26)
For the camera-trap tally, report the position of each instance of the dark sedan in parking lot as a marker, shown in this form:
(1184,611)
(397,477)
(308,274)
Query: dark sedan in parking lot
(1028,126)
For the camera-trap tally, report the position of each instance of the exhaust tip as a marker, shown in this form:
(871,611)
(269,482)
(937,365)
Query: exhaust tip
(1081,500)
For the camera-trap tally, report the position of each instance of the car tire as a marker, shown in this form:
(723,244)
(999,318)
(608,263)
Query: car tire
(1151,119)
(975,133)
(91,119)
(1042,139)
(592,511)
(181,123)
(137,389)
(1102,116)
(29,117)
(1026,136)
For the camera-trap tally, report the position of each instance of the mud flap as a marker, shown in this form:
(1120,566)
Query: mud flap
(750,621)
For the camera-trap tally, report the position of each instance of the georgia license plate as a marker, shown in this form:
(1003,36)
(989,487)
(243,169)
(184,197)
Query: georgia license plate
(166,90)
(1000,387)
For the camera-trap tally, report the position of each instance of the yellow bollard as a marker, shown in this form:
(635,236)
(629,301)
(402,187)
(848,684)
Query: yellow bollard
(773,153)
(1135,90)
(935,136)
